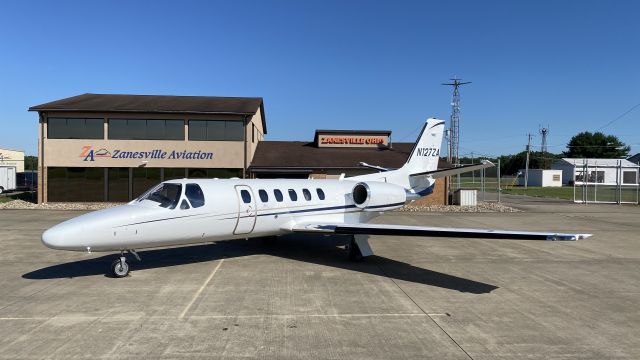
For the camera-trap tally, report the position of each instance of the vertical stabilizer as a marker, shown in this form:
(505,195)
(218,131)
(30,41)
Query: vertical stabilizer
(426,151)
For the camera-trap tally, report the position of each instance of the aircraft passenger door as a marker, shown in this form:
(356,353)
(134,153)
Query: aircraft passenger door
(246,210)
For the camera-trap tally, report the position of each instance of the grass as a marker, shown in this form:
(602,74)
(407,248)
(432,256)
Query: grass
(26,196)
(565,193)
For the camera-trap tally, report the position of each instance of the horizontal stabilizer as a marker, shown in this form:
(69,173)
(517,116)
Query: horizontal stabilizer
(456,170)
(404,230)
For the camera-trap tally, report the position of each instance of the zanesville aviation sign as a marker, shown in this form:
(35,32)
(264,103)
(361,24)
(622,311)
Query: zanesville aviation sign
(89,154)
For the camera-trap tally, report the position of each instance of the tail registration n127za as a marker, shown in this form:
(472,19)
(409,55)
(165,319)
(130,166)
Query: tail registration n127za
(188,211)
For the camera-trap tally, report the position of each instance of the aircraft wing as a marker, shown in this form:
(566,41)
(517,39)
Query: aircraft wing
(405,230)
(456,170)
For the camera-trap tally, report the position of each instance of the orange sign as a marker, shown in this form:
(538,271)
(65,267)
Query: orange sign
(351,140)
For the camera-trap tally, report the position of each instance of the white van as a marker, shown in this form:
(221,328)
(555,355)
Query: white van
(7,178)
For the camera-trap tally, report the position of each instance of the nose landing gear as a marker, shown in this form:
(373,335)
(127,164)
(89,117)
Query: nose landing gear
(119,266)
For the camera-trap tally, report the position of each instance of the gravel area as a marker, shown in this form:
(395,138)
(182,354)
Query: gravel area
(25,205)
(482,207)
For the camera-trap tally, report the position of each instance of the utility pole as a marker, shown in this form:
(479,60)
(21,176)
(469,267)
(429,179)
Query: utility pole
(526,171)
(473,173)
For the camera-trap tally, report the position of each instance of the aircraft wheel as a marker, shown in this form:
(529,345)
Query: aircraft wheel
(354,251)
(119,268)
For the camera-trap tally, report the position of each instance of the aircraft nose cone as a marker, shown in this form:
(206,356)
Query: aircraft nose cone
(53,238)
(61,237)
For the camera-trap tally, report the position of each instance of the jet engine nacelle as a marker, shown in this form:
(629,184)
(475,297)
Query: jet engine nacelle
(373,196)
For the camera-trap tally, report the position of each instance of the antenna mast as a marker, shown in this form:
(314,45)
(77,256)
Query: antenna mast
(544,132)
(454,123)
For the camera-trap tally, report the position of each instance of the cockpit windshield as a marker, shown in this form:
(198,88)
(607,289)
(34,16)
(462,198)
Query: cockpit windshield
(166,194)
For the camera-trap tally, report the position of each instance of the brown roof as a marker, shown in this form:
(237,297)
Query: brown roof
(157,104)
(301,154)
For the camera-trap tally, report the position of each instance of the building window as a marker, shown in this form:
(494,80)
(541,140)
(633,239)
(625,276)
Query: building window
(216,130)
(118,181)
(173,173)
(214,173)
(74,128)
(629,177)
(144,179)
(75,184)
(596,177)
(141,129)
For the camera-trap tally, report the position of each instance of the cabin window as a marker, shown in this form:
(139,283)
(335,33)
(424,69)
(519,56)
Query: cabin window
(278,194)
(195,195)
(263,195)
(166,194)
(320,194)
(246,197)
(307,194)
(293,195)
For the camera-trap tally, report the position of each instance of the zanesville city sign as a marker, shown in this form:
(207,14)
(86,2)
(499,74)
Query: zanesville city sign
(89,154)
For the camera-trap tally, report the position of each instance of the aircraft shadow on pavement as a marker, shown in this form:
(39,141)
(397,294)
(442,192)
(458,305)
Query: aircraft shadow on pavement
(315,249)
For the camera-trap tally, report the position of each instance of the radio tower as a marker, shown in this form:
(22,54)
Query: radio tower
(454,124)
(544,132)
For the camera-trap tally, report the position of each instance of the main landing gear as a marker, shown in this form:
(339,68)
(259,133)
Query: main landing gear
(358,247)
(119,266)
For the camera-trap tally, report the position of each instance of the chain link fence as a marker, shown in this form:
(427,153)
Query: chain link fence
(491,185)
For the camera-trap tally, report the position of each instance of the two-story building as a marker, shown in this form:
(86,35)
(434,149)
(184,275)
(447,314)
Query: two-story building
(97,147)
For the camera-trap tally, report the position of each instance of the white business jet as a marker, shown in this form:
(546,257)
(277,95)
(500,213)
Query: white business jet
(186,211)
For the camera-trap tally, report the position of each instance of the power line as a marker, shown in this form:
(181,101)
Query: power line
(619,117)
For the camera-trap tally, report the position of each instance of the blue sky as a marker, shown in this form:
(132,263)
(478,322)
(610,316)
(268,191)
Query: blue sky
(572,65)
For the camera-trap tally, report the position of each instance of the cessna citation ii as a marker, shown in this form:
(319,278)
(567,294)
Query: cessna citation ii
(187,211)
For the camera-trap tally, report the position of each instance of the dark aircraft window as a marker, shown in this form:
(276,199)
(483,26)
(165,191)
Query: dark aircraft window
(278,194)
(320,194)
(166,194)
(246,197)
(263,195)
(195,195)
(292,195)
(307,194)
(184,205)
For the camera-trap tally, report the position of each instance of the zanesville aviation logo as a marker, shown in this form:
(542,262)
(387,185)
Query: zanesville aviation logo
(89,154)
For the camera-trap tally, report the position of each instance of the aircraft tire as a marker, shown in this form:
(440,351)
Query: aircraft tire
(119,268)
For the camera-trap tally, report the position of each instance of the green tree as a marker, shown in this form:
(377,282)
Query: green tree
(511,164)
(596,145)
(30,163)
